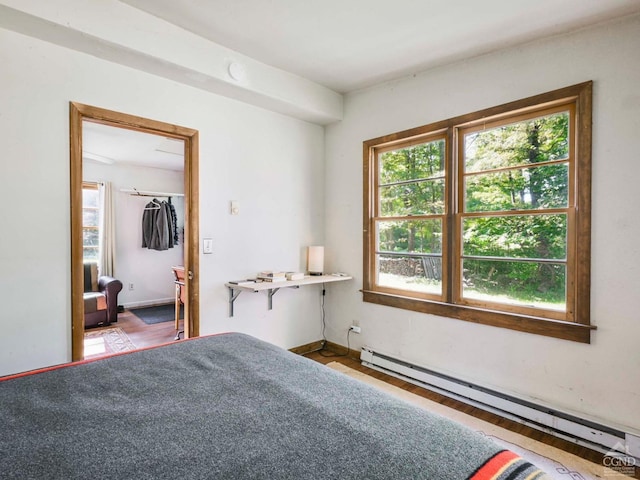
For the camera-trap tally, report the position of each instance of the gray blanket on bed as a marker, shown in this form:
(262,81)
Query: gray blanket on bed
(221,407)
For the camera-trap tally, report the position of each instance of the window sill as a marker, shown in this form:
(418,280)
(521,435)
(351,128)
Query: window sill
(575,332)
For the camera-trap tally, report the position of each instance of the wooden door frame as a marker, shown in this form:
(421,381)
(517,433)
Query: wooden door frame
(79,112)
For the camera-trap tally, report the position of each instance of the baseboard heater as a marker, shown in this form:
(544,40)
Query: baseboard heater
(585,432)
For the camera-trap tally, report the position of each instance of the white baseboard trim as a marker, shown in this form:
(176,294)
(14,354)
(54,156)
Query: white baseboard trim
(148,303)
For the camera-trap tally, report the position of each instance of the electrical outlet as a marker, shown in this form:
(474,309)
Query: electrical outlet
(354,329)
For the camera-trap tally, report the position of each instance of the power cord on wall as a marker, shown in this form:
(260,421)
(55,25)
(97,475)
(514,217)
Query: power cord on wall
(324,326)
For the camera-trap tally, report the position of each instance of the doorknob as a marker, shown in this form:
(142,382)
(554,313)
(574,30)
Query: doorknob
(190,275)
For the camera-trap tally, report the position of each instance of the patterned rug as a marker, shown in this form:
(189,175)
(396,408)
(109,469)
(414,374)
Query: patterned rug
(558,464)
(106,341)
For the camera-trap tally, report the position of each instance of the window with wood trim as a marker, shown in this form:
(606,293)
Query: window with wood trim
(90,221)
(486,217)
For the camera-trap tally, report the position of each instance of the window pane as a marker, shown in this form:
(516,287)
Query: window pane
(90,197)
(420,198)
(539,285)
(90,237)
(90,253)
(517,236)
(536,140)
(412,163)
(406,272)
(89,218)
(518,189)
(410,236)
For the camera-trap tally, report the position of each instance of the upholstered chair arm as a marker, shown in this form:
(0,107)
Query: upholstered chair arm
(110,287)
(112,284)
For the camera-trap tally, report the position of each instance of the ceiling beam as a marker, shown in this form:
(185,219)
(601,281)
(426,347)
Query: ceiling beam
(119,33)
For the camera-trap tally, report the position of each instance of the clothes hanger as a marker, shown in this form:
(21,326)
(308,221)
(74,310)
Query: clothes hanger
(156,207)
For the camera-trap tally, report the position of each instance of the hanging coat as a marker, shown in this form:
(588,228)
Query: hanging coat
(155,226)
(167,211)
(148,222)
(174,222)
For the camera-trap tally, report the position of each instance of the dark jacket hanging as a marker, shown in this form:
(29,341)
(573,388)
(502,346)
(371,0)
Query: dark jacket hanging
(156,226)
(167,212)
(174,221)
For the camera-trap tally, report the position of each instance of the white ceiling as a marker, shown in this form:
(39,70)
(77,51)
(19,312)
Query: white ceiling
(346,45)
(350,44)
(110,145)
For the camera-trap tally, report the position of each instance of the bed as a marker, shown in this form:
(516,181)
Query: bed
(228,407)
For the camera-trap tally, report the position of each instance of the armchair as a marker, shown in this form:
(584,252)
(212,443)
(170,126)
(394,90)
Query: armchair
(100,297)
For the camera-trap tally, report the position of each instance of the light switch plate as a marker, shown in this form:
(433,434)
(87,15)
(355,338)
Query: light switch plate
(207,245)
(234,208)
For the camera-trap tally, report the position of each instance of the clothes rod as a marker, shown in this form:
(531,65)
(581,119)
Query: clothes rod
(144,193)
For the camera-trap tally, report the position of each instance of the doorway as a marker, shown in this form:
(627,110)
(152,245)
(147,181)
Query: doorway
(82,116)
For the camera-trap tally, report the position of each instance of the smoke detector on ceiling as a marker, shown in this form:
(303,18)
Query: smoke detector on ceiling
(236,71)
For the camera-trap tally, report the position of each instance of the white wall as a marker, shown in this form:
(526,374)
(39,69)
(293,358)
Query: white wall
(272,164)
(148,270)
(600,379)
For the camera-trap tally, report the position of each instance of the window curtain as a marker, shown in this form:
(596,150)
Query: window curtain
(107,244)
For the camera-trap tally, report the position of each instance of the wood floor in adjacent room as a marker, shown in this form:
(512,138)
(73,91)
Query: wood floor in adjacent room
(352,361)
(141,334)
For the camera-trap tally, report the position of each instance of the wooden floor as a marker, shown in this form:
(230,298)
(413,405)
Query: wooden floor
(143,335)
(352,361)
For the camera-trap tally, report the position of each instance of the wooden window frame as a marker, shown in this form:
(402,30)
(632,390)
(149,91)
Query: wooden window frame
(575,324)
